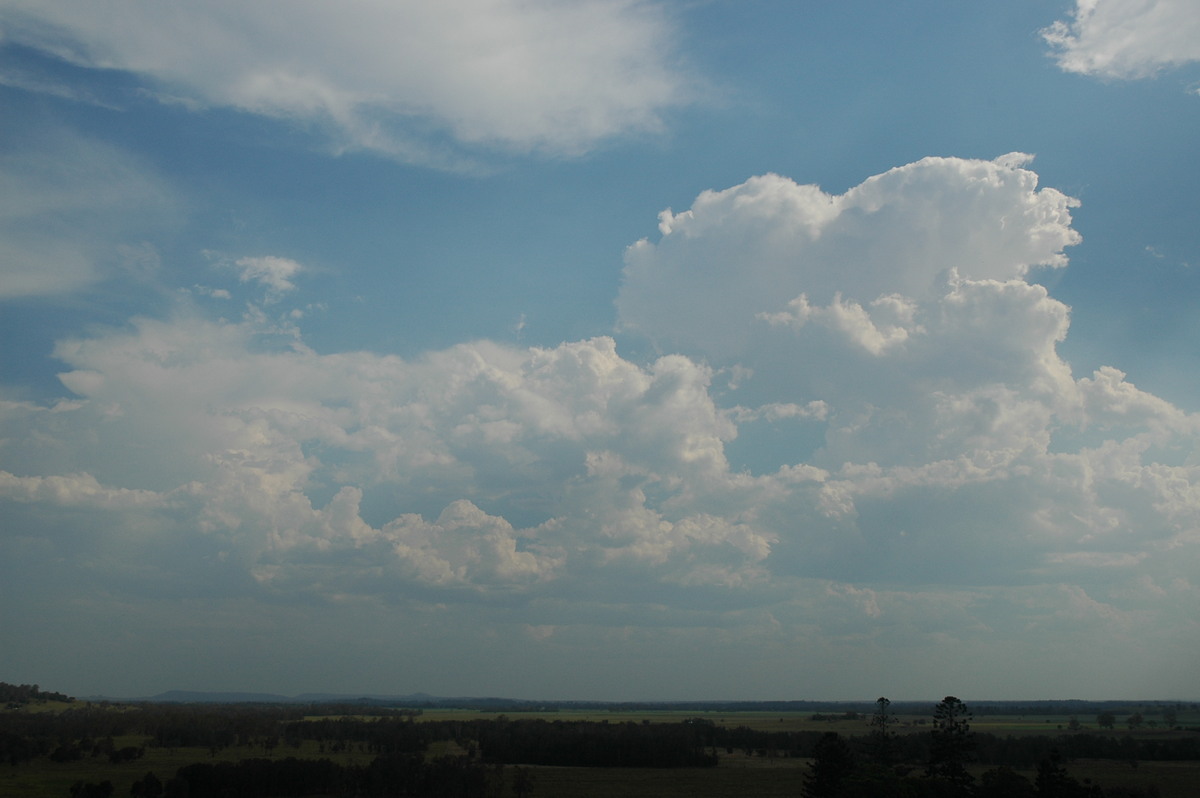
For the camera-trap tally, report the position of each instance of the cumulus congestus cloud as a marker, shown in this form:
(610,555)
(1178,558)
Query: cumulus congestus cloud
(964,482)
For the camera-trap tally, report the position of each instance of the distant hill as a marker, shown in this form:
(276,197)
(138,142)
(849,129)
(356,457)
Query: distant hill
(20,694)
(206,697)
(516,705)
(198,697)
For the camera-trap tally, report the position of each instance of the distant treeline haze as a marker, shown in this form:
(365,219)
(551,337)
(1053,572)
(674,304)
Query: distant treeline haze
(293,749)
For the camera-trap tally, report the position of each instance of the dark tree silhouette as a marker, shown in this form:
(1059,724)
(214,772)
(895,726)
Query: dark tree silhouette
(1053,781)
(882,741)
(88,790)
(951,744)
(832,765)
(522,782)
(148,787)
(1004,782)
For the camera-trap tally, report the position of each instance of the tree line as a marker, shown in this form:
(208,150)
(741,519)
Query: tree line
(390,741)
(17,695)
(884,763)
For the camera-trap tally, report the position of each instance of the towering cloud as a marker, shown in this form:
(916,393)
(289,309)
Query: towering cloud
(897,238)
(939,473)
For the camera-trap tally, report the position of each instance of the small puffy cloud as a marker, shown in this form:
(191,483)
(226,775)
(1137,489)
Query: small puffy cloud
(1126,38)
(209,291)
(391,77)
(464,546)
(272,272)
(776,411)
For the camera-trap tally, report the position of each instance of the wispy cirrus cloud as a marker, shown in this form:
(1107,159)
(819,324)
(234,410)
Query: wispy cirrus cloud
(433,83)
(69,210)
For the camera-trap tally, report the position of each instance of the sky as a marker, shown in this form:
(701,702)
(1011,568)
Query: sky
(601,349)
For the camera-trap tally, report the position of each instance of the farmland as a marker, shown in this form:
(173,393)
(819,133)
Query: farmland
(64,748)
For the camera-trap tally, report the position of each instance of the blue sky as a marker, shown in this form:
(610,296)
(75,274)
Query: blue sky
(613,350)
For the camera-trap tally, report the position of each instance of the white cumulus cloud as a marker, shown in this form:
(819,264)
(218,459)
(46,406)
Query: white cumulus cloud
(940,474)
(270,271)
(746,251)
(1127,38)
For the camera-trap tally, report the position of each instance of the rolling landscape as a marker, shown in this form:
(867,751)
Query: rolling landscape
(581,398)
(196,745)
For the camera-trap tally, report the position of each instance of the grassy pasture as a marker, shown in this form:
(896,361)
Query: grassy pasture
(1000,725)
(720,782)
(1173,779)
(43,777)
(761,721)
(43,706)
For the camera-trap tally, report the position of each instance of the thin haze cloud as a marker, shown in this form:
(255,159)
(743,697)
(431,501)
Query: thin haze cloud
(430,83)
